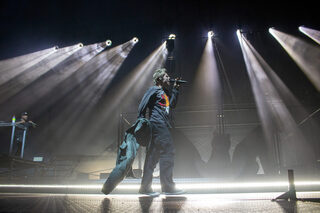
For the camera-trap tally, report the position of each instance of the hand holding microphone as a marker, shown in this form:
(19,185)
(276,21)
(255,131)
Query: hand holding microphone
(177,82)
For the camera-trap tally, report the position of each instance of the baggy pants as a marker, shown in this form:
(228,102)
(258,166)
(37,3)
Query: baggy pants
(161,148)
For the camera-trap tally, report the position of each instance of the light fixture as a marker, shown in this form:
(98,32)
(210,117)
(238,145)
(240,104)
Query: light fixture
(108,43)
(270,29)
(301,28)
(210,34)
(172,36)
(135,40)
(238,34)
(80,45)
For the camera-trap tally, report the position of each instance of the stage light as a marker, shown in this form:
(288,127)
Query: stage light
(105,65)
(210,34)
(108,43)
(172,36)
(305,55)
(80,45)
(273,112)
(28,75)
(270,29)
(133,83)
(207,79)
(311,33)
(238,33)
(56,47)
(135,40)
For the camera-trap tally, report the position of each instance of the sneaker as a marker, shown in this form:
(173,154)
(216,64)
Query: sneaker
(149,192)
(105,191)
(174,192)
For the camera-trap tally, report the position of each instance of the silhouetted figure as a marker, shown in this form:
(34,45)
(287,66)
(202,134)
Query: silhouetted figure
(219,165)
(23,124)
(244,161)
(186,156)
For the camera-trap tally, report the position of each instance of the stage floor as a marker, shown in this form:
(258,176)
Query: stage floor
(236,202)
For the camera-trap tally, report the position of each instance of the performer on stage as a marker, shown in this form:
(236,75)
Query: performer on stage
(159,100)
(23,124)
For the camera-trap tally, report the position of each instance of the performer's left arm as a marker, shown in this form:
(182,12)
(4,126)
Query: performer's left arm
(174,96)
(34,125)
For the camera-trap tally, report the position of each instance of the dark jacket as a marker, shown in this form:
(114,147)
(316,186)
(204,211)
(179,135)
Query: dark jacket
(139,133)
(159,102)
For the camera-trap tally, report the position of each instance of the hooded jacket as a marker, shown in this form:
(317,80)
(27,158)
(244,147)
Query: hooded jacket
(139,133)
(159,102)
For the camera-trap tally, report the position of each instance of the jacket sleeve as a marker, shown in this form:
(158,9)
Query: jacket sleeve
(142,109)
(174,97)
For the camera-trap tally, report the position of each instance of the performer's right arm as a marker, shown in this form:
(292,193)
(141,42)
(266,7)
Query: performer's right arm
(142,109)
(20,122)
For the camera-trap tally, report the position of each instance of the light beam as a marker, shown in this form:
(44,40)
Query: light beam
(274,115)
(127,94)
(311,33)
(19,82)
(35,94)
(12,67)
(304,54)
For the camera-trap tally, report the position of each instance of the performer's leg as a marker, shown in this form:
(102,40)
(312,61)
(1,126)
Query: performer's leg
(164,142)
(166,165)
(167,152)
(150,163)
(18,152)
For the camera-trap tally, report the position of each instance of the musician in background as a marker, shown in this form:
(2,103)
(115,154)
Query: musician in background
(23,124)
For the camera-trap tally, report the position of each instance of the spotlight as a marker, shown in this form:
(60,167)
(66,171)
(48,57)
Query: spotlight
(210,34)
(239,34)
(172,36)
(135,40)
(270,29)
(56,47)
(108,43)
(80,45)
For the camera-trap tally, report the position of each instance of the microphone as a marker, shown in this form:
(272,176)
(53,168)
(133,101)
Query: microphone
(178,81)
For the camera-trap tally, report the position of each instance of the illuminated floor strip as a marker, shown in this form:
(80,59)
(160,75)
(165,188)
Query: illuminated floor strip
(181,185)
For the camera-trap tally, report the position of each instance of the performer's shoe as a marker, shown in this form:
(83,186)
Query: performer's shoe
(174,191)
(104,191)
(149,192)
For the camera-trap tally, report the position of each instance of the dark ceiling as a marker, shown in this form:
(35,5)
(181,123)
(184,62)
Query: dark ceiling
(28,26)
